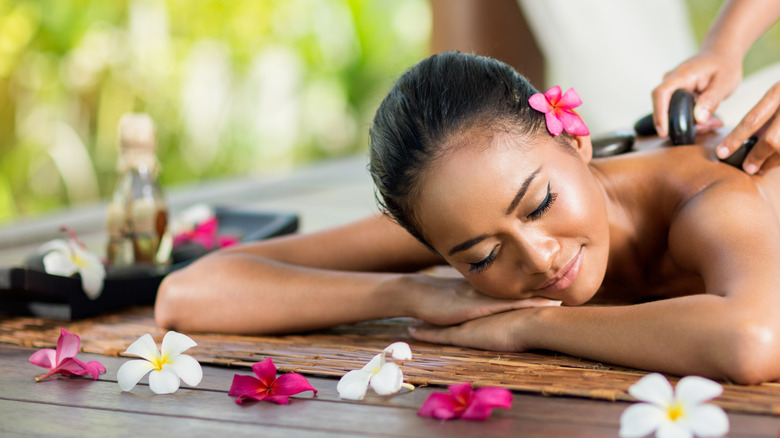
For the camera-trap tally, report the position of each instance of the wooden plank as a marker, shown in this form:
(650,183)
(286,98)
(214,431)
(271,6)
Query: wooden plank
(375,416)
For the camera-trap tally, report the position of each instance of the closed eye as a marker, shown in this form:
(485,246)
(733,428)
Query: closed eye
(485,263)
(544,206)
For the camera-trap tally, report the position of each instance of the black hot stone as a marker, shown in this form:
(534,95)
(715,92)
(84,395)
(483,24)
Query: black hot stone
(739,155)
(682,127)
(645,127)
(615,143)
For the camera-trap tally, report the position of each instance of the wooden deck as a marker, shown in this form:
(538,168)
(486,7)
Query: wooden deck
(326,195)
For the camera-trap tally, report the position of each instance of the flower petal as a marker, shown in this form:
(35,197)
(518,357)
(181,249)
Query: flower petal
(94,368)
(92,273)
(553,95)
(438,405)
(669,429)
(164,381)
(72,367)
(388,380)
(46,358)
(67,345)
(640,419)
(708,420)
(652,388)
(279,399)
(696,390)
(58,245)
(399,351)
(354,384)
(266,371)
(246,387)
(187,368)
(569,100)
(553,124)
(572,123)
(175,343)
(58,263)
(484,400)
(144,347)
(539,103)
(131,372)
(375,364)
(291,384)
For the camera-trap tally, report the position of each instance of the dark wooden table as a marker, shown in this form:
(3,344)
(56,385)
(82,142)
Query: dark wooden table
(68,406)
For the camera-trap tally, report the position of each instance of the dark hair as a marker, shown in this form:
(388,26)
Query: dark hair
(441,97)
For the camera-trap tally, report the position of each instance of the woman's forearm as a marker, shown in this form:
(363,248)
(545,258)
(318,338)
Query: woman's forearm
(240,293)
(739,24)
(702,334)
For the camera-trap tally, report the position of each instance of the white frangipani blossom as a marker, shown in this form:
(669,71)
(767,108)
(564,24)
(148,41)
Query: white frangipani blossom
(384,377)
(167,366)
(65,258)
(671,413)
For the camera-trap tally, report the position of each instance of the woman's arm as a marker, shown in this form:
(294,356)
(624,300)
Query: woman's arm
(728,233)
(357,272)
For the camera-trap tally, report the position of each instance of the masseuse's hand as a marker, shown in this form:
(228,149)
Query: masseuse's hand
(501,332)
(711,76)
(448,301)
(764,122)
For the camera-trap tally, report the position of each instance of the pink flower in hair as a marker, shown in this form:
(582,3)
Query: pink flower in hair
(559,111)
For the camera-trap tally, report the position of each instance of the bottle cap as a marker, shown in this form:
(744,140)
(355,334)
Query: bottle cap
(137,141)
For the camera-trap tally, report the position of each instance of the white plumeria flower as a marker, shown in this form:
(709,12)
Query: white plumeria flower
(166,367)
(67,258)
(679,413)
(384,377)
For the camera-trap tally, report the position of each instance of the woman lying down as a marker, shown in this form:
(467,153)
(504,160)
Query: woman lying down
(469,174)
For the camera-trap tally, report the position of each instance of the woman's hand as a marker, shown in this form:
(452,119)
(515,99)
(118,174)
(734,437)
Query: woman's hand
(762,121)
(500,332)
(710,75)
(448,301)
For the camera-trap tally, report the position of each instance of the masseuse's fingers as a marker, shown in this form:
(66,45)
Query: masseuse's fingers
(767,146)
(753,121)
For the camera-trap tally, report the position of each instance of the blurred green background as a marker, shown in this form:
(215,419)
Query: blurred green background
(236,87)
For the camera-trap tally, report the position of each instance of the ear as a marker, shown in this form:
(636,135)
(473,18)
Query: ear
(583,146)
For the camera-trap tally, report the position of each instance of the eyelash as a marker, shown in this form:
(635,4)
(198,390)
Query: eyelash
(481,265)
(545,205)
(485,263)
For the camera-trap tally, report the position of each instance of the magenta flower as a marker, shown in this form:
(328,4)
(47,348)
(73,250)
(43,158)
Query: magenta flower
(63,360)
(463,402)
(268,387)
(559,111)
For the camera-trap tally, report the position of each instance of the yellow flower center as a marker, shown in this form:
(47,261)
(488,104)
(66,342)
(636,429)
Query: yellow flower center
(675,411)
(80,262)
(159,361)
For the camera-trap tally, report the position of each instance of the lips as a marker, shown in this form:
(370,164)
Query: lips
(565,277)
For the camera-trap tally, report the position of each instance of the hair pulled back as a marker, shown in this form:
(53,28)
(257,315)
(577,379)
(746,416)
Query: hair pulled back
(441,97)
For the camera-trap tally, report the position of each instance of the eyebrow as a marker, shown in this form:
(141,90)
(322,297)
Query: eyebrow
(515,201)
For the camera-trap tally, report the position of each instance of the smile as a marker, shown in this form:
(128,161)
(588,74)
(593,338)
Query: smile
(565,277)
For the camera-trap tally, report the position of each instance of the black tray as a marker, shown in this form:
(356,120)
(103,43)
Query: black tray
(28,290)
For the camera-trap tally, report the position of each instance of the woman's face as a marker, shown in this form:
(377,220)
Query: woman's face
(518,221)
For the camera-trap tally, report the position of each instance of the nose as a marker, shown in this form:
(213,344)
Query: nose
(538,250)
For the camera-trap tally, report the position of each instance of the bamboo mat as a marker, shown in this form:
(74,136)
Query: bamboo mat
(336,351)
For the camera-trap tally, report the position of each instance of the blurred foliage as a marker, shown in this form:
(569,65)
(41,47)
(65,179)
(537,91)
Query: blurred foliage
(235,87)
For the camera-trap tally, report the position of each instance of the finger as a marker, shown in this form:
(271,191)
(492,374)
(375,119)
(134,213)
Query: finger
(661,96)
(751,123)
(536,302)
(712,124)
(432,334)
(767,146)
(770,163)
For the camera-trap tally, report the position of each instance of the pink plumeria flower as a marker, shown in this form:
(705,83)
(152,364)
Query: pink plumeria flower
(63,359)
(384,377)
(166,367)
(559,111)
(463,402)
(679,412)
(267,386)
(65,258)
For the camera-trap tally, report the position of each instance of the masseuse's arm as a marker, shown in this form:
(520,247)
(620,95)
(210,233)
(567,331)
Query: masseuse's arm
(729,234)
(357,272)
